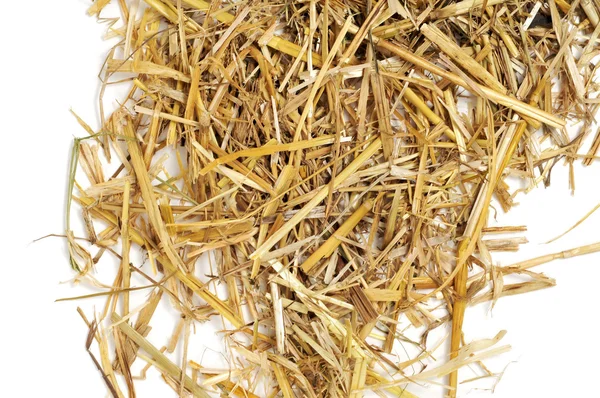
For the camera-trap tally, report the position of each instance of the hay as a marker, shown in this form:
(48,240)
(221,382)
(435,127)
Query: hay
(337,160)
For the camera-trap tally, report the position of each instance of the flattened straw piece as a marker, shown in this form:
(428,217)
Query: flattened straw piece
(590,10)
(152,136)
(383,114)
(359,377)
(130,22)
(460,139)
(532,15)
(190,106)
(278,315)
(282,381)
(575,75)
(390,228)
(384,294)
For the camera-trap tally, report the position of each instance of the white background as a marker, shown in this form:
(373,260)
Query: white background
(50,58)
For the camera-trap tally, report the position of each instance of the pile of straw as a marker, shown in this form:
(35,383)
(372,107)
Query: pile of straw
(335,163)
